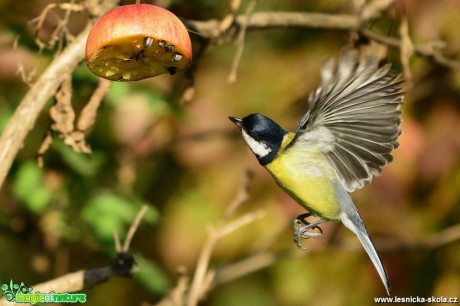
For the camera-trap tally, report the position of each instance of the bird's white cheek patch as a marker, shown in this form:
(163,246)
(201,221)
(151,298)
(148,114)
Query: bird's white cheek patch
(259,149)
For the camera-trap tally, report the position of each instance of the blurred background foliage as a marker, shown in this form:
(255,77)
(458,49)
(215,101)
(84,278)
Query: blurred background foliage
(187,162)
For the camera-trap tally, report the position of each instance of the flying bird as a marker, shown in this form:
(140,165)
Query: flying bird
(342,142)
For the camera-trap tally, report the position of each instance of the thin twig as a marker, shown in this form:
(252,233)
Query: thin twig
(26,114)
(88,114)
(272,20)
(23,119)
(64,116)
(240,222)
(263,259)
(240,42)
(61,32)
(201,268)
(374,8)
(62,112)
(117,242)
(176,297)
(241,196)
(228,20)
(203,277)
(46,143)
(430,50)
(267,20)
(61,28)
(200,283)
(248,265)
(133,228)
(26,76)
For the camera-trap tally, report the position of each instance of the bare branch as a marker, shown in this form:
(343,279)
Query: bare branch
(62,112)
(240,42)
(200,283)
(117,242)
(266,20)
(264,259)
(203,277)
(431,50)
(240,222)
(228,20)
(23,119)
(374,9)
(241,196)
(122,266)
(132,230)
(177,295)
(72,282)
(61,29)
(247,265)
(88,114)
(26,114)
(46,143)
(26,76)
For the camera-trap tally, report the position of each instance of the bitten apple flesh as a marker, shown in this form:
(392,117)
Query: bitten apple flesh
(138,41)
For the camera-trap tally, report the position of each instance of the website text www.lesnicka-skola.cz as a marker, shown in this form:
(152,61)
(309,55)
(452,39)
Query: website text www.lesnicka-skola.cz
(417,299)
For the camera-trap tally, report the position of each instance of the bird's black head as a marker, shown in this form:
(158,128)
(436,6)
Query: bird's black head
(263,135)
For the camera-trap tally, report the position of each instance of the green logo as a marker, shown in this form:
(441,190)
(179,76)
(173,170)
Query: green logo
(23,294)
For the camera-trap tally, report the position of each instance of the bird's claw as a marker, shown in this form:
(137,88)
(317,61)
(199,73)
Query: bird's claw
(302,230)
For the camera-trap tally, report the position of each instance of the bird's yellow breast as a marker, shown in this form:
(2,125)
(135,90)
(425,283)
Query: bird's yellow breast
(307,176)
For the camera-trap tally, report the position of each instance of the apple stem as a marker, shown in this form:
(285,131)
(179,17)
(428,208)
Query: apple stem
(138,1)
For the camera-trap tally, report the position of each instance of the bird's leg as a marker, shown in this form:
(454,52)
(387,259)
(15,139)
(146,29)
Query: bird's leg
(301,227)
(302,220)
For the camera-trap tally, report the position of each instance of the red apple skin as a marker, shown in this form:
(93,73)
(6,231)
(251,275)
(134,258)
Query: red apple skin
(137,20)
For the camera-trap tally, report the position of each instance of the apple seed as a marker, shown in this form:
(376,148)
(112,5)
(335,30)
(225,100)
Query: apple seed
(148,41)
(176,57)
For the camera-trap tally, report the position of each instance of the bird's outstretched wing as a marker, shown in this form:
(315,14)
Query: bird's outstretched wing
(354,118)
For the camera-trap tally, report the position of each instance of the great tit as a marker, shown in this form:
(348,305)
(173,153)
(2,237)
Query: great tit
(340,144)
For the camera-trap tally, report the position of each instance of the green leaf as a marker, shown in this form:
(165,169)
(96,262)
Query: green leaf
(151,276)
(30,189)
(84,164)
(108,211)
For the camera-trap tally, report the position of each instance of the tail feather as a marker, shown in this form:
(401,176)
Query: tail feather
(352,220)
(369,247)
(355,224)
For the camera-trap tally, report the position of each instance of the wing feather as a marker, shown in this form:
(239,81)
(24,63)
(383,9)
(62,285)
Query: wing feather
(357,105)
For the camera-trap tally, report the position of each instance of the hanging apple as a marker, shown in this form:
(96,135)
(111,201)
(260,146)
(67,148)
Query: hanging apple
(137,41)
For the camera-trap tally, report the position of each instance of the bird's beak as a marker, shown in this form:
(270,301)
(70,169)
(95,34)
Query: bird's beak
(237,121)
